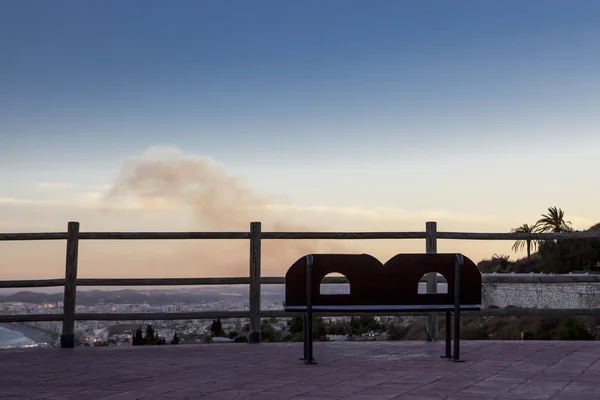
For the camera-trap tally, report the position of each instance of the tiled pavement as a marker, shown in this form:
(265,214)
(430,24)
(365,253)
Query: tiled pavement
(272,371)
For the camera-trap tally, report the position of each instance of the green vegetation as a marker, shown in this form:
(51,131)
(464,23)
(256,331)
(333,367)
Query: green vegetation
(321,329)
(237,338)
(519,244)
(553,256)
(504,328)
(216,328)
(413,328)
(150,338)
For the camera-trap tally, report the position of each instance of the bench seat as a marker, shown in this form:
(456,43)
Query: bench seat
(383,289)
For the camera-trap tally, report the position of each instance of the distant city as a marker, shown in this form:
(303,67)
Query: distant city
(215,298)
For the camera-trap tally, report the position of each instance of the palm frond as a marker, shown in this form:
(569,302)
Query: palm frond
(519,245)
(553,221)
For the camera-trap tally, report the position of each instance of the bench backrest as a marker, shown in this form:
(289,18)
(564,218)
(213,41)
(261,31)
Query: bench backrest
(373,283)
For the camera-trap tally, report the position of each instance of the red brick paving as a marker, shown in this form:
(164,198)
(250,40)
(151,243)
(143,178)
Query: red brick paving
(272,371)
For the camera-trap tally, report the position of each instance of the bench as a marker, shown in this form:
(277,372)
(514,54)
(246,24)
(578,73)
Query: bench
(380,288)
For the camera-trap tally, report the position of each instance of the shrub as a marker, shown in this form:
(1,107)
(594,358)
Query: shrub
(396,332)
(497,263)
(528,335)
(473,333)
(240,339)
(573,328)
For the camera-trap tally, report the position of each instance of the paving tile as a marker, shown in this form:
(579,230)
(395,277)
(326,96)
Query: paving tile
(272,371)
(379,393)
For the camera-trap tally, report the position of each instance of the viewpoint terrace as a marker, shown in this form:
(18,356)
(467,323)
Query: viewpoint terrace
(272,371)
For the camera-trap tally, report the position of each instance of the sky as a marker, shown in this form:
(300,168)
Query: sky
(335,115)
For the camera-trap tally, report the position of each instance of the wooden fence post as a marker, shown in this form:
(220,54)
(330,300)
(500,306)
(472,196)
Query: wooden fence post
(255,247)
(67,338)
(431,248)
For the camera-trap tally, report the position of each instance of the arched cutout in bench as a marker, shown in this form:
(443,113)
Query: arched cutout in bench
(442,287)
(334,289)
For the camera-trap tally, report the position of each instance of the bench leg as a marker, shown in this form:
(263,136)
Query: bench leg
(457,266)
(304,341)
(309,340)
(308,316)
(456,355)
(448,341)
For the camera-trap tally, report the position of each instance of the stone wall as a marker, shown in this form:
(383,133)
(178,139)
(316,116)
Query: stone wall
(541,291)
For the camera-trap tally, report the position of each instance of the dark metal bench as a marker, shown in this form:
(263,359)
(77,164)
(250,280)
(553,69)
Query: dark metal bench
(379,288)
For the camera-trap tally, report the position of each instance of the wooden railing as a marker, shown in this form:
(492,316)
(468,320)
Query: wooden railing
(255,236)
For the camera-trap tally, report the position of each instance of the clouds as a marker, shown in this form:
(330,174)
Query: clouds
(163,178)
(166,179)
(14,201)
(166,189)
(55,185)
(386,213)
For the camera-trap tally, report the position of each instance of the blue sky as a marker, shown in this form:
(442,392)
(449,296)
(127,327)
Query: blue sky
(465,108)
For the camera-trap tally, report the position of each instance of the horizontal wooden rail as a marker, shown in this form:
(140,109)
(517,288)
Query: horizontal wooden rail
(158,282)
(31,318)
(341,235)
(162,235)
(277,280)
(207,315)
(298,235)
(162,281)
(518,236)
(126,236)
(32,283)
(33,236)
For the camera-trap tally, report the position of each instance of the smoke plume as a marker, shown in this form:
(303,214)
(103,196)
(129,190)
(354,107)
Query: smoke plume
(220,201)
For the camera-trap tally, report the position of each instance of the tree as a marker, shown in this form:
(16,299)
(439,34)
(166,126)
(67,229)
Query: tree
(216,327)
(567,255)
(519,244)
(138,338)
(296,324)
(553,221)
(241,339)
(396,332)
(267,332)
(319,330)
(364,324)
(175,339)
(150,337)
(296,327)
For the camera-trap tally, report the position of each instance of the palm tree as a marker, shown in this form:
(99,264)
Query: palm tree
(519,244)
(553,221)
